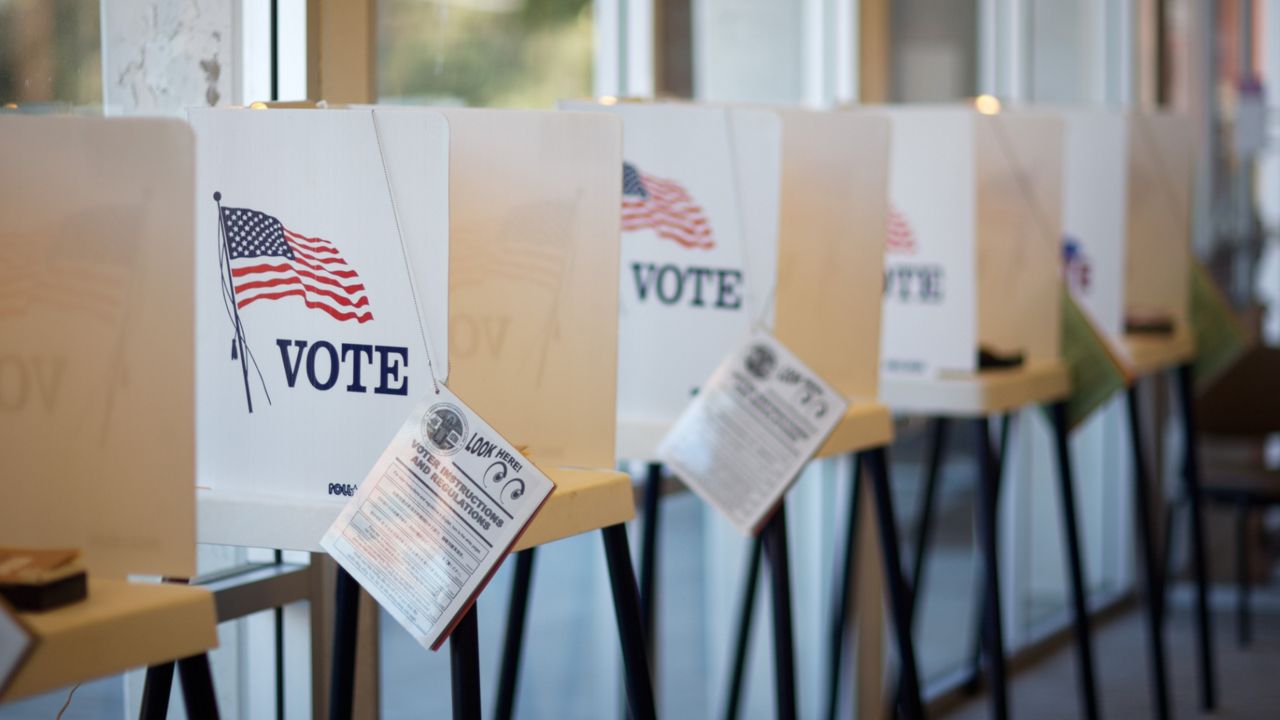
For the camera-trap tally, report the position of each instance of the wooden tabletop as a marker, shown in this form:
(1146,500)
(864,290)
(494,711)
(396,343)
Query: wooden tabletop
(121,626)
(584,500)
(864,425)
(981,393)
(1149,354)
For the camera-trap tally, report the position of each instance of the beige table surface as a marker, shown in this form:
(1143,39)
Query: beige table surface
(121,626)
(985,392)
(1149,354)
(864,425)
(584,500)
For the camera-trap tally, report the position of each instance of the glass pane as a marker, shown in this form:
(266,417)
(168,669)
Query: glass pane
(494,53)
(50,54)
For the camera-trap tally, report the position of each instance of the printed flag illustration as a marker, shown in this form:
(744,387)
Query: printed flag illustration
(664,206)
(1075,265)
(270,262)
(901,238)
(261,259)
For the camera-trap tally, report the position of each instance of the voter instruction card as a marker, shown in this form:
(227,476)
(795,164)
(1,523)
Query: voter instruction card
(746,436)
(431,522)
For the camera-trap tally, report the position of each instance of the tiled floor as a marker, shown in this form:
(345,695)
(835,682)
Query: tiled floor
(1248,678)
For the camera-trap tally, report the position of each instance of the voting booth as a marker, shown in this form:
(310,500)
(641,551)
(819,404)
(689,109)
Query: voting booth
(321,289)
(834,210)
(700,188)
(972,304)
(400,249)
(1126,259)
(97,377)
(971,254)
(1127,228)
(1157,255)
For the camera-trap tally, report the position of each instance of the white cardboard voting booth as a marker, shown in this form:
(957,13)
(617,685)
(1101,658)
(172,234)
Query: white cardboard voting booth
(834,207)
(971,257)
(321,277)
(1126,221)
(1095,190)
(509,220)
(96,366)
(97,437)
(698,252)
(1158,251)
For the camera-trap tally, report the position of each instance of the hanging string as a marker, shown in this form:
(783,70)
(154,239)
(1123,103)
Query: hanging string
(404,251)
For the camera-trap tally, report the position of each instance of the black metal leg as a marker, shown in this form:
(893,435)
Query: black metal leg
(844,583)
(512,645)
(992,632)
(742,638)
(197,688)
(1200,563)
(775,548)
(980,609)
(155,692)
(1152,585)
(924,527)
(1075,565)
(346,616)
(899,596)
(1244,629)
(649,560)
(626,609)
(464,667)
(278,616)
(924,523)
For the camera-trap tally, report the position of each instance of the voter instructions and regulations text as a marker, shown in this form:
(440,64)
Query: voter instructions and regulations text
(431,522)
(749,432)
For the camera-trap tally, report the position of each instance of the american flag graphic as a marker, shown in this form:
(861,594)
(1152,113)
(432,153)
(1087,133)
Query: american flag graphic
(650,203)
(1075,265)
(269,262)
(901,239)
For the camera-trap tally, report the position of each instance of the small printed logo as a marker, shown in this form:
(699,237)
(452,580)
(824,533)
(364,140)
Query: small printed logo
(760,362)
(259,259)
(664,206)
(444,428)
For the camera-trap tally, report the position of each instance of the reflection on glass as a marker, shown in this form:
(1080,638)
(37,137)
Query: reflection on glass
(494,53)
(50,54)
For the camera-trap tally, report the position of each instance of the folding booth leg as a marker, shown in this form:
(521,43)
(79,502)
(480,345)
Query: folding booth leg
(1244,629)
(843,589)
(1075,566)
(924,527)
(742,637)
(992,632)
(464,667)
(924,522)
(649,560)
(197,688)
(1152,587)
(1199,561)
(775,547)
(979,602)
(513,644)
(899,596)
(626,609)
(346,614)
(155,692)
